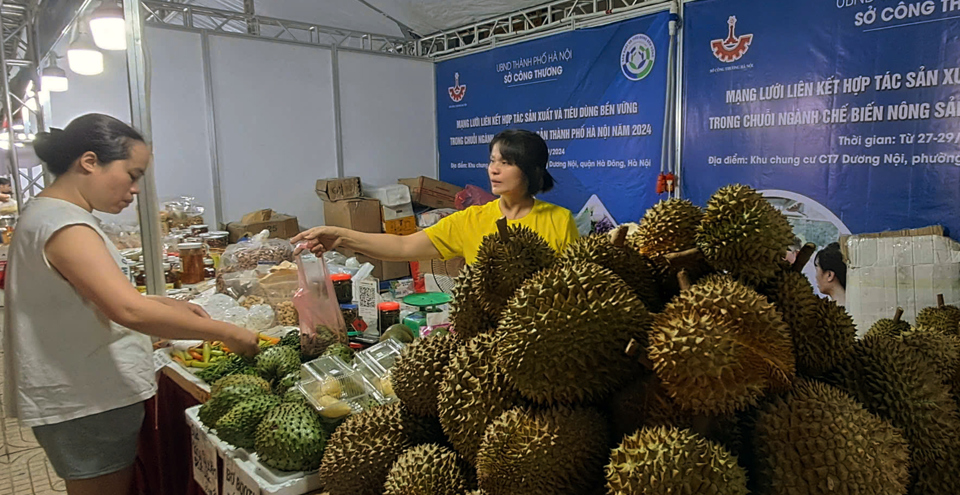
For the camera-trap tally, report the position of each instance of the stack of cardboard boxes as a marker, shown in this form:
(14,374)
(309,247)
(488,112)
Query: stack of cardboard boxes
(387,209)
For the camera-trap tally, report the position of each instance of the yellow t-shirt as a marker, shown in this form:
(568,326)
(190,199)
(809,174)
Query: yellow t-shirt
(462,233)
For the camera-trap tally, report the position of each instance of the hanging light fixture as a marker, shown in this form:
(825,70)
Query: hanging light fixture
(83,56)
(106,24)
(53,78)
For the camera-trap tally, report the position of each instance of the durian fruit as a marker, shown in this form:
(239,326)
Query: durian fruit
(941,350)
(635,269)
(644,403)
(818,439)
(290,438)
(744,235)
(474,392)
(942,317)
(666,461)
(364,447)
(427,470)
(468,312)
(554,451)
(239,426)
(506,259)
(822,347)
(895,382)
(668,227)
(278,361)
(340,350)
(720,346)
(565,331)
(419,371)
(237,379)
(227,396)
(889,327)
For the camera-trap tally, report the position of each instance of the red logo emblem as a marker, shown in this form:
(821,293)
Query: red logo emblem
(734,47)
(457,91)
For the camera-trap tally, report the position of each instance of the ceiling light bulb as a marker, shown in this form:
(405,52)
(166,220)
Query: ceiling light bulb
(54,78)
(107,25)
(83,56)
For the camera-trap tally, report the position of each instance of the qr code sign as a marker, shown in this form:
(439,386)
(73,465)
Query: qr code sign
(367,296)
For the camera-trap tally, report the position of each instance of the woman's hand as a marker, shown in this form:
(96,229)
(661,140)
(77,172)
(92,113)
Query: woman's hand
(243,342)
(318,240)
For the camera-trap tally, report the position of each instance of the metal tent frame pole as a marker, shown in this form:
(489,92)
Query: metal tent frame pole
(13,161)
(148,205)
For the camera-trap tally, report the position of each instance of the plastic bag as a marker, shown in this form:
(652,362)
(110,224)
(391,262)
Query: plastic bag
(237,316)
(472,196)
(238,284)
(321,323)
(278,286)
(181,213)
(260,250)
(217,305)
(260,317)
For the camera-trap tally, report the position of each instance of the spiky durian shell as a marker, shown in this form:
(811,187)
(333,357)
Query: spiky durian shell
(469,313)
(644,403)
(744,235)
(822,347)
(667,461)
(808,320)
(417,374)
(940,349)
(885,327)
(555,451)
(635,269)
(945,319)
(565,331)
(895,382)
(361,451)
(473,393)
(428,469)
(668,227)
(818,439)
(719,346)
(503,266)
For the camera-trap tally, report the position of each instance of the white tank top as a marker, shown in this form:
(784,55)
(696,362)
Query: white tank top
(63,358)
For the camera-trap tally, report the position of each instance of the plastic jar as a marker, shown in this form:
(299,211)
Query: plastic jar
(343,287)
(191,258)
(389,315)
(209,271)
(140,278)
(199,229)
(216,240)
(350,314)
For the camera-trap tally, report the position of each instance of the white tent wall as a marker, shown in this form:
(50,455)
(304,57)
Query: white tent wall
(276,134)
(388,117)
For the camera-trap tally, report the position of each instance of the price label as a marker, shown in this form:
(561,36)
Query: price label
(236,481)
(204,461)
(160,360)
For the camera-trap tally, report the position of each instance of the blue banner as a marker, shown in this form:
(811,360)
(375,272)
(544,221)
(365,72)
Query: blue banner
(845,112)
(597,97)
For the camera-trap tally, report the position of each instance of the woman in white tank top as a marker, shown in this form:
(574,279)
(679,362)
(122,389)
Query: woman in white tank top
(77,357)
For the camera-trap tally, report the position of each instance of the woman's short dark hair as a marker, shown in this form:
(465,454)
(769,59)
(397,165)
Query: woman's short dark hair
(105,136)
(830,259)
(528,151)
(4,181)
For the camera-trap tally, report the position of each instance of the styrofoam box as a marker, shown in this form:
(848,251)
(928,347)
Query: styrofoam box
(885,273)
(268,480)
(390,195)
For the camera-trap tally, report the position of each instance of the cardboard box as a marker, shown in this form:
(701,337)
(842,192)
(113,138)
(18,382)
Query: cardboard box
(886,271)
(279,225)
(339,189)
(392,195)
(397,212)
(383,270)
(431,192)
(362,215)
(401,226)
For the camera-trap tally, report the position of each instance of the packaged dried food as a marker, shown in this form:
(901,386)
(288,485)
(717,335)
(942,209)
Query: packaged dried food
(260,250)
(191,259)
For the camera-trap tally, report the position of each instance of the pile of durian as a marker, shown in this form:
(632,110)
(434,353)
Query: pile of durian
(685,358)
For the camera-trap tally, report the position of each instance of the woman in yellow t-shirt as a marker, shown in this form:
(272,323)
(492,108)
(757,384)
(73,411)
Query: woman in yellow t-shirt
(517,172)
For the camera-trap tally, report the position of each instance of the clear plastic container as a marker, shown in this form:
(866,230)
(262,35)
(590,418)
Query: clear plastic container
(191,257)
(334,388)
(375,363)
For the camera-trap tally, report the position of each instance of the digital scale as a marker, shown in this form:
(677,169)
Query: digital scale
(428,310)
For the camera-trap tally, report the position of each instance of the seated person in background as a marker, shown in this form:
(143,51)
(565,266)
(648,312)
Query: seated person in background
(832,273)
(6,192)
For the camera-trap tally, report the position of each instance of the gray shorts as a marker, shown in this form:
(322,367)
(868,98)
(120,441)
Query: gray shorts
(93,446)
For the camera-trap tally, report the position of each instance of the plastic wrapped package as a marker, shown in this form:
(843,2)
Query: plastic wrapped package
(182,212)
(259,250)
(334,388)
(236,315)
(260,317)
(238,284)
(217,305)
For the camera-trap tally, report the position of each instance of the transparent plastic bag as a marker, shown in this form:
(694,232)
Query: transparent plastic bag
(181,213)
(260,317)
(259,250)
(236,315)
(321,323)
(279,286)
(217,305)
(238,284)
